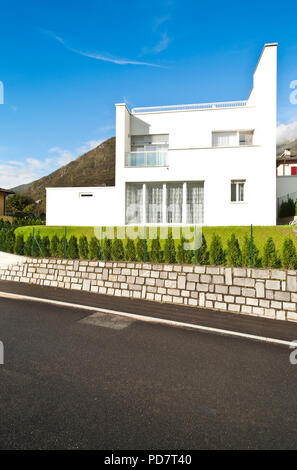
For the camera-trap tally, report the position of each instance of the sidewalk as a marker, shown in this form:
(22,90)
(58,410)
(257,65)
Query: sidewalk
(277,329)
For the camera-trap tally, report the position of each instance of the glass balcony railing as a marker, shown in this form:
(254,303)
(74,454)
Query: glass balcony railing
(146,159)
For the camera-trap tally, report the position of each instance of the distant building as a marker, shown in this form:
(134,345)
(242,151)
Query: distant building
(286,164)
(208,163)
(3,194)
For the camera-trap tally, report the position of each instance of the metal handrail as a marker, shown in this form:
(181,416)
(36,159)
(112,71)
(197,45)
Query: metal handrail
(185,107)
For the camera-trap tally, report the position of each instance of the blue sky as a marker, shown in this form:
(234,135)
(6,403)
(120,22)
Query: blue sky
(65,63)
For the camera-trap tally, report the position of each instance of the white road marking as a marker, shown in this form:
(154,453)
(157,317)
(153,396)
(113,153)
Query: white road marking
(143,318)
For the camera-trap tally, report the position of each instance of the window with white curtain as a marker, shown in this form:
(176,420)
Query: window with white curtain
(154,203)
(147,143)
(224,139)
(174,205)
(237,191)
(195,202)
(134,203)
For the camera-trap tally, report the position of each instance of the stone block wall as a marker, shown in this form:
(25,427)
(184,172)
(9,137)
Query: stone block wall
(262,292)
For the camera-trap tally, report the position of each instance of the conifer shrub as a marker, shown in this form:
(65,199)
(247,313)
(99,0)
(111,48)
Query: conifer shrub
(19,245)
(169,250)
(72,248)
(202,254)
(130,251)
(61,248)
(117,249)
(140,249)
(107,244)
(83,247)
(246,254)
(233,252)
(45,247)
(54,246)
(270,258)
(94,248)
(156,254)
(28,246)
(288,254)
(216,252)
(9,242)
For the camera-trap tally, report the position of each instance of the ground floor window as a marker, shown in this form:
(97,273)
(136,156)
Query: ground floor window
(237,191)
(165,203)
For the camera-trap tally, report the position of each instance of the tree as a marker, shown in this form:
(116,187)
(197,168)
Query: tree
(169,250)
(117,249)
(17,203)
(94,248)
(233,253)
(270,259)
(83,247)
(72,251)
(19,245)
(288,254)
(156,255)
(216,252)
(130,251)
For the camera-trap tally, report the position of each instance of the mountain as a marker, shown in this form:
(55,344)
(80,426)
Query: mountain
(21,188)
(290,146)
(94,168)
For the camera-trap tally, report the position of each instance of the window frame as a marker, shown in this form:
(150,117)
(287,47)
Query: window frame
(237,184)
(237,133)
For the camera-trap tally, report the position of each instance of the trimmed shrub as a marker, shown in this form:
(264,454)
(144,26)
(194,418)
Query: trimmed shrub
(83,247)
(288,254)
(270,259)
(107,243)
(287,208)
(246,254)
(216,252)
(233,252)
(54,246)
(202,255)
(19,245)
(45,247)
(180,251)
(94,248)
(130,251)
(117,249)
(156,255)
(72,249)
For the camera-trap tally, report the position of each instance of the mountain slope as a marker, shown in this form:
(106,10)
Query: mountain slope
(94,168)
(290,146)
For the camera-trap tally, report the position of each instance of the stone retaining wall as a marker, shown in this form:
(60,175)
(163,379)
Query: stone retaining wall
(262,292)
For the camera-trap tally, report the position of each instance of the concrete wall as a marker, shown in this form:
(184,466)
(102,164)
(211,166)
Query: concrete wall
(261,292)
(191,157)
(286,185)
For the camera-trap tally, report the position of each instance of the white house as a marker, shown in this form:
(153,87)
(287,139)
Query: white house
(210,163)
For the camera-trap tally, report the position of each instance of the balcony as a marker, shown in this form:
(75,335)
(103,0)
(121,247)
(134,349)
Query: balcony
(146,159)
(190,107)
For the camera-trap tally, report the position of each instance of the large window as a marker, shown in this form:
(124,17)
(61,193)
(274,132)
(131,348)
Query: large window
(134,203)
(232,139)
(237,190)
(148,150)
(154,203)
(165,203)
(195,203)
(174,205)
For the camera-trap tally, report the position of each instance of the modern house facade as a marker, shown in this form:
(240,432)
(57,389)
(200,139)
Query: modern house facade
(210,164)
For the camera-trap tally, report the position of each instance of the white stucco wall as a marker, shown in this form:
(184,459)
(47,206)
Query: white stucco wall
(286,185)
(191,158)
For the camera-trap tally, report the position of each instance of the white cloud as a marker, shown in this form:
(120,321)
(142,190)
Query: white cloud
(64,156)
(286,132)
(97,56)
(91,144)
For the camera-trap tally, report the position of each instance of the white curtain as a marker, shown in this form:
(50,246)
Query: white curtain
(224,139)
(174,203)
(154,203)
(195,203)
(134,201)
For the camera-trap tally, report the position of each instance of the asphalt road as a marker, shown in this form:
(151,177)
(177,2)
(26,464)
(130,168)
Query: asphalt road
(76,381)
